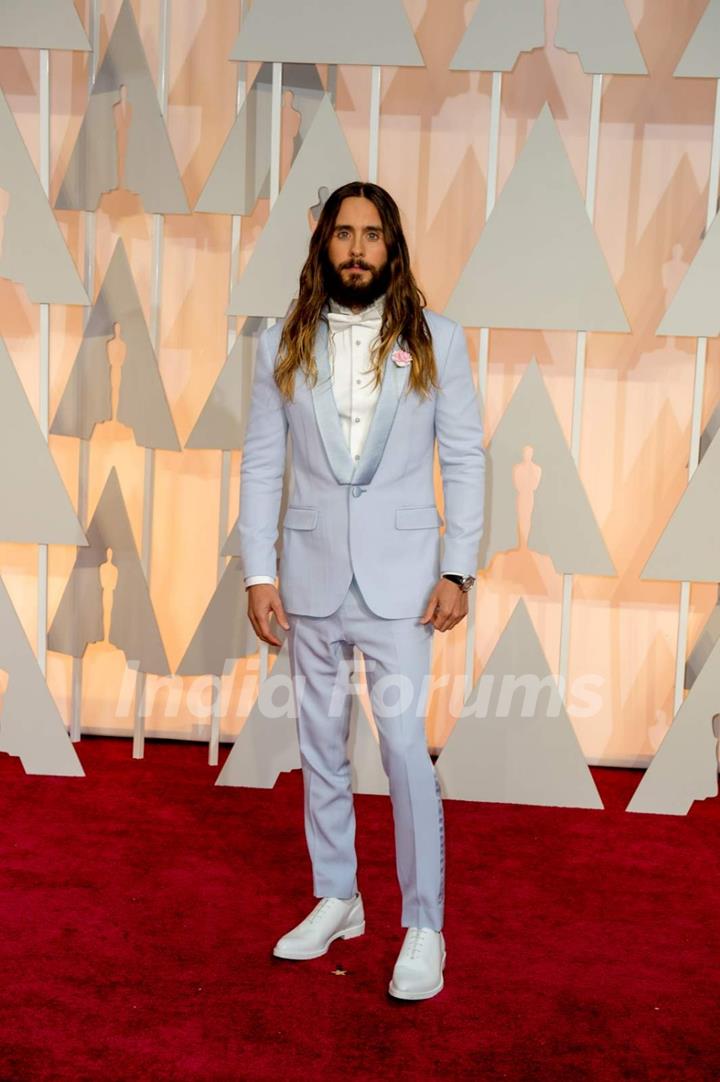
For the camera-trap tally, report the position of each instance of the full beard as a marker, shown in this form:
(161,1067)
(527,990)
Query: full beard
(352,295)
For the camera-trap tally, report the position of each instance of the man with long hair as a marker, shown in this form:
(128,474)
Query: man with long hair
(366,379)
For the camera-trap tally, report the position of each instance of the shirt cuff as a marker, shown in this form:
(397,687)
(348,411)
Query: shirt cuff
(255,580)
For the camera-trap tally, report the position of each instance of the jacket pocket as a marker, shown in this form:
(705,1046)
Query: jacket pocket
(417,518)
(300,518)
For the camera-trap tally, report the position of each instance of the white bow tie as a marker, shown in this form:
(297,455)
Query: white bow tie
(339,321)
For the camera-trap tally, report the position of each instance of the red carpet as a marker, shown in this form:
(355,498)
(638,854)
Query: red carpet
(140,905)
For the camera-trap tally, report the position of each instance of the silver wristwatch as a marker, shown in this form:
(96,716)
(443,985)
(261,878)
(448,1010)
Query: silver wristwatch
(463,583)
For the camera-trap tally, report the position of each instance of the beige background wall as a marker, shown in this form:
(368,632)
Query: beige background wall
(652,193)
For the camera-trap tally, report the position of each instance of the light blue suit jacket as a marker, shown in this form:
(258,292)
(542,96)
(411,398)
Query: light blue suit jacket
(376,517)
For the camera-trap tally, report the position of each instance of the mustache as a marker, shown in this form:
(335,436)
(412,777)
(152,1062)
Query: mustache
(356,263)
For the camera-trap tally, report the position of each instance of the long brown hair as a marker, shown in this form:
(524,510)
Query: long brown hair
(404,301)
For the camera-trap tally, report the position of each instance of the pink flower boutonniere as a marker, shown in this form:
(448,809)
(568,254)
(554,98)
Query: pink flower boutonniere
(401,357)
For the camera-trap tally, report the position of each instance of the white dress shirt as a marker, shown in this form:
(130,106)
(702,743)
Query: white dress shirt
(351,336)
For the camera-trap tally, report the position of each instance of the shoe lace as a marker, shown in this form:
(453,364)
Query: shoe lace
(415,941)
(322,905)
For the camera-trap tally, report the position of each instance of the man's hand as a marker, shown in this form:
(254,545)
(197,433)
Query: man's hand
(263,601)
(448,605)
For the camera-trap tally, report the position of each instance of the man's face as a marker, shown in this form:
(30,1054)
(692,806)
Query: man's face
(357,254)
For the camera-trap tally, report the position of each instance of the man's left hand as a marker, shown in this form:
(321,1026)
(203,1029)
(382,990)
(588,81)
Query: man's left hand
(447,606)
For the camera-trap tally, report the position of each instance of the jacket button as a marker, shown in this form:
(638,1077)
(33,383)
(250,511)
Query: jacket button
(356,490)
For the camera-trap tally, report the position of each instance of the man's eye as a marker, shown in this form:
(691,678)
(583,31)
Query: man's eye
(373,236)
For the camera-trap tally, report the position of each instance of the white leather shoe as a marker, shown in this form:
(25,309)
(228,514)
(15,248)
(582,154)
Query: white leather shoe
(332,918)
(418,972)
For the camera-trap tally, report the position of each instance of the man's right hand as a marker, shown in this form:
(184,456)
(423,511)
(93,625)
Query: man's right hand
(263,601)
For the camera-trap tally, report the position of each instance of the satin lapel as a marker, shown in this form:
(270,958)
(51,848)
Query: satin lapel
(326,412)
(393,383)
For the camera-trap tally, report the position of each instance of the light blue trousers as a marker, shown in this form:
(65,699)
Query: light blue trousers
(397,662)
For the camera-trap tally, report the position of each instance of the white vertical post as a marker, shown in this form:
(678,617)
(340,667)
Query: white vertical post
(579,385)
(275,132)
(84,452)
(490,197)
(484,350)
(155,301)
(44,374)
(332,83)
(696,416)
(375,92)
(226,463)
(275,146)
